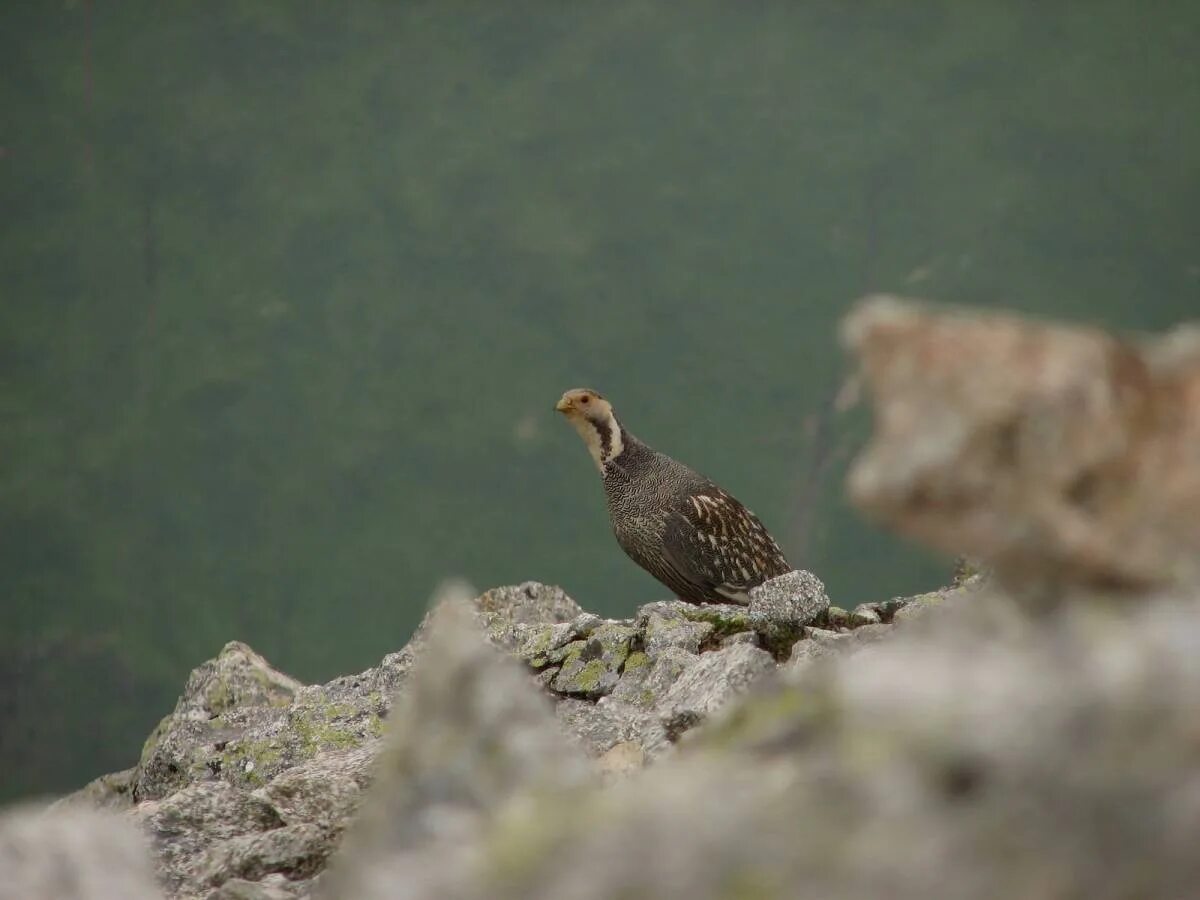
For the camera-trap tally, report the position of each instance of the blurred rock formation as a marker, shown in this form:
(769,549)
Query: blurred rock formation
(1061,454)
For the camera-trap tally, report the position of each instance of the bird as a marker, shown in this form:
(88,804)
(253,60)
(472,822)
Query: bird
(688,532)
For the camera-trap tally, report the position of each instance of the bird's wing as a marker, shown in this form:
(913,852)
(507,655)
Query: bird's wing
(720,546)
(686,573)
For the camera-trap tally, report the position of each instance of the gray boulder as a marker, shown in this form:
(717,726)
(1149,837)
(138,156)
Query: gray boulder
(241,721)
(781,607)
(708,684)
(592,667)
(184,826)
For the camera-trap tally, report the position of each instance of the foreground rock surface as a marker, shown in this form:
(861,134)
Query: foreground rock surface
(940,745)
(251,782)
(944,761)
(72,854)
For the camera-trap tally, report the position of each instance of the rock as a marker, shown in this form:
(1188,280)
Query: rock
(815,644)
(622,759)
(951,755)
(965,568)
(835,617)
(325,791)
(1060,454)
(820,643)
(592,667)
(252,795)
(298,850)
(113,792)
(666,625)
(864,614)
(650,685)
(777,611)
(230,782)
(72,854)
(469,732)
(183,826)
(917,607)
(238,677)
(888,609)
(779,608)
(238,691)
(824,636)
(635,671)
(272,887)
(804,652)
(228,779)
(869,634)
(880,611)
(502,610)
(546,644)
(487,769)
(710,682)
(742,637)
(247,745)
(599,726)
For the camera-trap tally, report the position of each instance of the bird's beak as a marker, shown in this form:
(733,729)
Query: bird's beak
(564,404)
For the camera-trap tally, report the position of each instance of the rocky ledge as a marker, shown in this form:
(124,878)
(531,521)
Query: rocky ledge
(246,788)
(946,744)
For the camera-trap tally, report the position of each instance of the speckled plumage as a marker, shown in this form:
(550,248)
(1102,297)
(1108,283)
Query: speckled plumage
(685,530)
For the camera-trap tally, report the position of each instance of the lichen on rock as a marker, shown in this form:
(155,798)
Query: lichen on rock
(592,667)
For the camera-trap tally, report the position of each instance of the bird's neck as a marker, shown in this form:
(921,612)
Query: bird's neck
(605,439)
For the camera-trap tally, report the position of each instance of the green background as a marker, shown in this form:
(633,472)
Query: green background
(289,292)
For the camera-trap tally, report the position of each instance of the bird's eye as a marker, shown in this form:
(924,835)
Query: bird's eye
(584,398)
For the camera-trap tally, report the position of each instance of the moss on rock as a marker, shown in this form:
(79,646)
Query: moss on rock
(592,667)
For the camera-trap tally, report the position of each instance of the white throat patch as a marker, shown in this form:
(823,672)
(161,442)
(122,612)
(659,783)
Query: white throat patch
(603,439)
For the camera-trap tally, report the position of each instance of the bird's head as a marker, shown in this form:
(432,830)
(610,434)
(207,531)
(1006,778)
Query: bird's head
(593,418)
